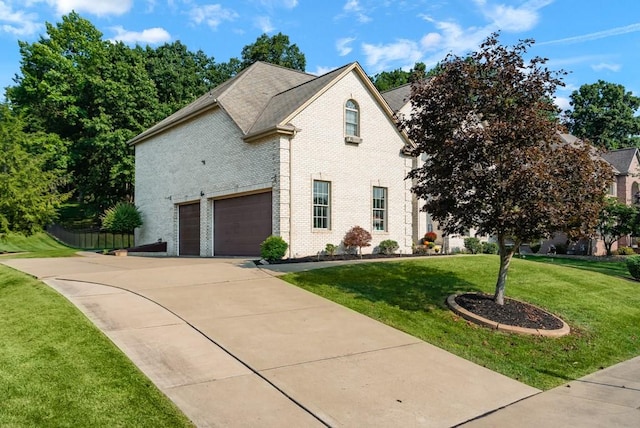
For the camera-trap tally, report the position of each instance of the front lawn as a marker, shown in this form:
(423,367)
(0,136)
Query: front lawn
(616,267)
(58,370)
(603,311)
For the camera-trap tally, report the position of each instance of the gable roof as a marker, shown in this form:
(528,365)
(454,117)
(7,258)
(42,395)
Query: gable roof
(397,97)
(622,159)
(243,97)
(283,104)
(263,98)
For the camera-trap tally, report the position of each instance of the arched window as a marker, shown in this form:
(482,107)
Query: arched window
(352,118)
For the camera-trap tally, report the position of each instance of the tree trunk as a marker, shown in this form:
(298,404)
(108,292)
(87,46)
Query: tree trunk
(505,261)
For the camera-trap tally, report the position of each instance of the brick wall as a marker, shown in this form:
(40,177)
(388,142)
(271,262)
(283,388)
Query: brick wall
(319,152)
(205,156)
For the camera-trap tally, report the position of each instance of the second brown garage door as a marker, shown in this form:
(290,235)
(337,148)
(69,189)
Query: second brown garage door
(241,224)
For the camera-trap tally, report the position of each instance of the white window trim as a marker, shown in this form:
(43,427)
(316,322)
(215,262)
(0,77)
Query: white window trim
(328,206)
(385,220)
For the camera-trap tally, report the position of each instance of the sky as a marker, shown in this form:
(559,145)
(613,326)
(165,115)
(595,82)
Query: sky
(591,39)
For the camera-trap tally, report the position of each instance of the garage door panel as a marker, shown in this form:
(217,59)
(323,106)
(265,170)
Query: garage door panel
(189,233)
(241,224)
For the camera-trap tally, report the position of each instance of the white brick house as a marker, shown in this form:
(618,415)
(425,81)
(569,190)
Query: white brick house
(276,151)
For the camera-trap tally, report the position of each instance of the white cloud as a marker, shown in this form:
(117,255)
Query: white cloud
(94,7)
(353,7)
(264,24)
(18,23)
(212,15)
(512,19)
(448,36)
(150,36)
(633,28)
(606,66)
(563,103)
(320,70)
(287,4)
(382,56)
(342,45)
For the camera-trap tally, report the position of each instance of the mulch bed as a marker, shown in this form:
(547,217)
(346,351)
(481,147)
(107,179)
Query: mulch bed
(323,258)
(513,312)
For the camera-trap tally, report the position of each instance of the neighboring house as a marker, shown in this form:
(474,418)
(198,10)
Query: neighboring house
(399,101)
(276,151)
(626,187)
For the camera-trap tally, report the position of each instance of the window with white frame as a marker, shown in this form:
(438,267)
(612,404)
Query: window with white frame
(352,118)
(380,208)
(321,204)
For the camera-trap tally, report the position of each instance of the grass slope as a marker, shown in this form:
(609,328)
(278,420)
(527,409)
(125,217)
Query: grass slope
(36,245)
(410,296)
(57,369)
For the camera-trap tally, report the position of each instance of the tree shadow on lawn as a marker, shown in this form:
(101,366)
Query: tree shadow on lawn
(408,286)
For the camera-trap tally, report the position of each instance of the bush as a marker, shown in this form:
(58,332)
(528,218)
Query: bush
(123,217)
(430,237)
(535,248)
(490,248)
(330,249)
(357,237)
(561,248)
(633,264)
(388,246)
(625,251)
(273,248)
(473,245)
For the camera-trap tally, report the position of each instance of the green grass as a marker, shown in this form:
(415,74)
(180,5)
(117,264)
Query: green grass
(58,370)
(607,267)
(37,245)
(603,311)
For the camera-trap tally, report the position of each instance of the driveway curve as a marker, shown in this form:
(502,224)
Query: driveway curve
(233,345)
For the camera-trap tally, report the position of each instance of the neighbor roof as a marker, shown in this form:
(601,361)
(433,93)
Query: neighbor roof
(397,97)
(621,159)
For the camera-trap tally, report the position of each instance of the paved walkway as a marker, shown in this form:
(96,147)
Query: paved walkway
(233,346)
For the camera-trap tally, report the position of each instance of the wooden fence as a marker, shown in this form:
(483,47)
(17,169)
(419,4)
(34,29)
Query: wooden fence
(92,239)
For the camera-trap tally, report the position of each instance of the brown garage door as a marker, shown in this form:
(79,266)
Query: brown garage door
(189,234)
(241,224)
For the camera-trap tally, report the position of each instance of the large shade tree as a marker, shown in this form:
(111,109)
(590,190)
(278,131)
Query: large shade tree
(492,157)
(29,177)
(605,113)
(275,50)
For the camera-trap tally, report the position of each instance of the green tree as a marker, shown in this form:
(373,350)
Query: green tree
(388,80)
(275,50)
(180,76)
(94,95)
(493,159)
(615,221)
(605,113)
(29,196)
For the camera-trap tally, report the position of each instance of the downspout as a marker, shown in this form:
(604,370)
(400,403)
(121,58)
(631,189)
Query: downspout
(291,252)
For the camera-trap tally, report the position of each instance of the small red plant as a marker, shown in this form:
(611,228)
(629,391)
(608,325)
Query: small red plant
(357,237)
(430,237)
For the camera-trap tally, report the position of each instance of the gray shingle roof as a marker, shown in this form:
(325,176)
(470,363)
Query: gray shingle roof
(285,103)
(621,159)
(243,97)
(398,97)
(261,98)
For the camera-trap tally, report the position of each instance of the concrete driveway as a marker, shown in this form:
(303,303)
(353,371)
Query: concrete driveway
(232,345)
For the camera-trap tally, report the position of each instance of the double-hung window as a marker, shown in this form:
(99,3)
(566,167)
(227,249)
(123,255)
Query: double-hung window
(321,204)
(380,208)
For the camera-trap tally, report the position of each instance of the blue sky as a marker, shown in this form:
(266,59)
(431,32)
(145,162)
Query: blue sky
(592,39)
